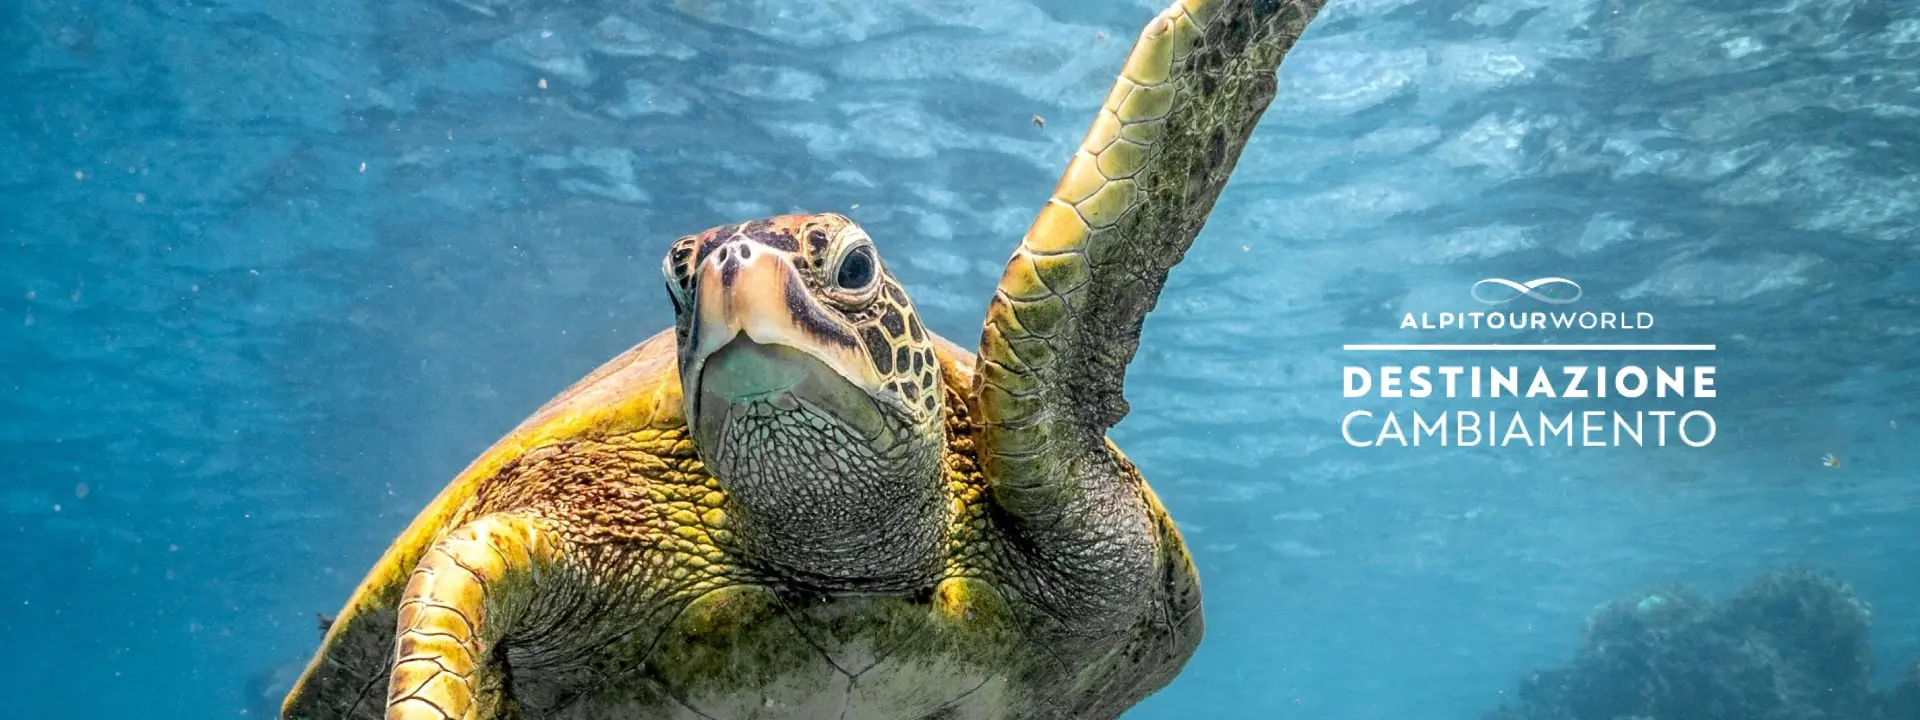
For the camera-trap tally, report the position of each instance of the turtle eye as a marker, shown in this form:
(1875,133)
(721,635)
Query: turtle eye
(676,284)
(857,270)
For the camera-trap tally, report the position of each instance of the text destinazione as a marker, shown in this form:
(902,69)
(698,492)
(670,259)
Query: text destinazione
(1499,428)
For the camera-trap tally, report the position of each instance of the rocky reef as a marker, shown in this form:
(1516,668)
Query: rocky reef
(1791,645)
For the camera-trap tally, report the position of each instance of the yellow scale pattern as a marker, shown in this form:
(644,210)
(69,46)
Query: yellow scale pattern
(460,587)
(1041,289)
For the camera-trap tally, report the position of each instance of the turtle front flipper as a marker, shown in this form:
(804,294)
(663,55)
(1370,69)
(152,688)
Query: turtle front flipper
(1068,312)
(1066,318)
(473,590)
(434,644)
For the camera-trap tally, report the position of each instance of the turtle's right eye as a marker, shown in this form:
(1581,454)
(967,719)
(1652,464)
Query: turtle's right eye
(676,278)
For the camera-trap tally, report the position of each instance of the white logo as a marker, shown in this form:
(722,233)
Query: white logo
(1531,288)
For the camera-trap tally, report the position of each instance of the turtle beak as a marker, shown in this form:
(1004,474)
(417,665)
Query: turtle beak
(740,290)
(758,334)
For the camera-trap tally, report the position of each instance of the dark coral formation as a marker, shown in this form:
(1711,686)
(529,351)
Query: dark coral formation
(1904,702)
(1792,645)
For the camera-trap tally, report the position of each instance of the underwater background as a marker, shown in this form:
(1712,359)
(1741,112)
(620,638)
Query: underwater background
(273,271)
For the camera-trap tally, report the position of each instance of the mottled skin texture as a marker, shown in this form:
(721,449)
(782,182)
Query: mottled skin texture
(799,503)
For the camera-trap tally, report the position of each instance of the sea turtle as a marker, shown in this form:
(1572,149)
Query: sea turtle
(799,503)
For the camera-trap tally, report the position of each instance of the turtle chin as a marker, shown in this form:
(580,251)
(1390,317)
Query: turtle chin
(826,481)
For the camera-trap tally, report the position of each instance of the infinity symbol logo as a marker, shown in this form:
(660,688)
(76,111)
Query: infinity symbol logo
(1531,288)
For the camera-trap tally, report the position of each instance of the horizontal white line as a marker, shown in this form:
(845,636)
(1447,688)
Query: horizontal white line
(1525,347)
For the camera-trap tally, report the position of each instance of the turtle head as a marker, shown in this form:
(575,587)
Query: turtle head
(812,393)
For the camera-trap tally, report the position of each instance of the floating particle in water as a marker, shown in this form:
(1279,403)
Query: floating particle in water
(79,174)
(140,198)
(543,83)
(1039,122)
(1830,460)
(363,167)
(81,491)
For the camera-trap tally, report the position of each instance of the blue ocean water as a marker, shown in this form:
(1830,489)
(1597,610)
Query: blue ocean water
(273,271)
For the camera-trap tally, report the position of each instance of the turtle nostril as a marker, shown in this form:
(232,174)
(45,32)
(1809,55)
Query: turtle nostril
(734,253)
